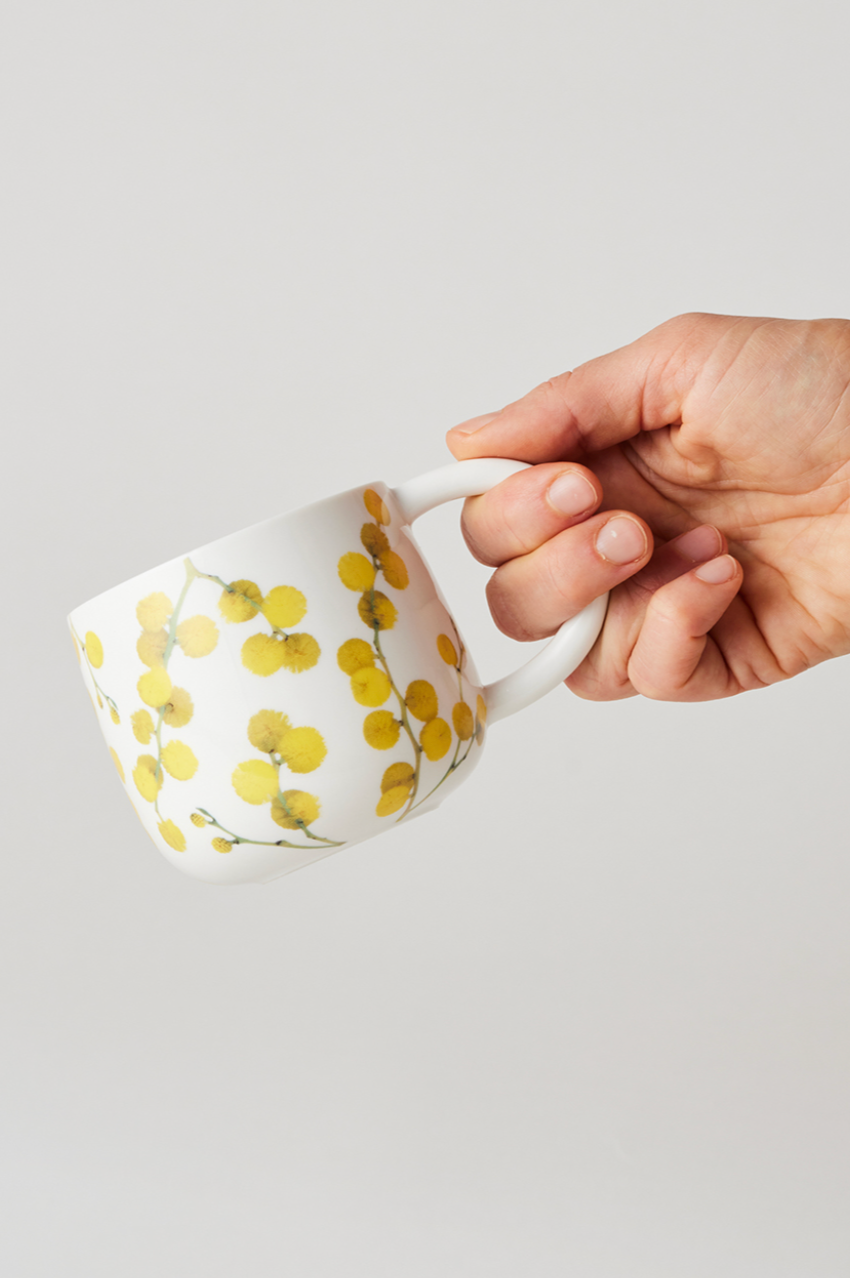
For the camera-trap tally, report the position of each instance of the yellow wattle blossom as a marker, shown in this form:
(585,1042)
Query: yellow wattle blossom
(266,729)
(381,730)
(222,845)
(421,700)
(394,569)
(297,809)
(197,636)
(255,781)
(435,739)
(94,649)
(463,720)
(392,800)
(377,611)
(447,650)
(241,601)
(154,687)
(179,761)
(302,749)
(370,686)
(263,654)
(117,763)
(374,539)
(300,652)
(480,719)
(376,507)
(397,774)
(355,654)
(147,782)
(172,835)
(114,715)
(151,645)
(284,606)
(154,610)
(143,726)
(178,709)
(356,571)
(198,820)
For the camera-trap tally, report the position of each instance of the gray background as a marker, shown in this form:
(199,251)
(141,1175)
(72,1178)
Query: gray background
(592,1017)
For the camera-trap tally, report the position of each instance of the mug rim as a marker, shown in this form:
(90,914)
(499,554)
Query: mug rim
(228,537)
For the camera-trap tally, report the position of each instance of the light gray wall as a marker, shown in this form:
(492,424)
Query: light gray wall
(590,1019)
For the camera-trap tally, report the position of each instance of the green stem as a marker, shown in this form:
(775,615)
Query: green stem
(264,843)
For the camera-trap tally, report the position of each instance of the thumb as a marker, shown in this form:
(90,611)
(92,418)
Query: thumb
(603,402)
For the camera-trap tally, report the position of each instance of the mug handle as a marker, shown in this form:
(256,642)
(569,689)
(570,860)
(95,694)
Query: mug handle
(568,647)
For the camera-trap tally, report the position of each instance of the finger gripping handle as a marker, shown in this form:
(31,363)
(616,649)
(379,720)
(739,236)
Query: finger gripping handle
(566,649)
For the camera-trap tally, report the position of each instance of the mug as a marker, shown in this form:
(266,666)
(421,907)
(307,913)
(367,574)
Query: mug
(298,687)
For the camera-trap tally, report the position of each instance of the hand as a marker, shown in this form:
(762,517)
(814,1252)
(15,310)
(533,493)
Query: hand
(710,434)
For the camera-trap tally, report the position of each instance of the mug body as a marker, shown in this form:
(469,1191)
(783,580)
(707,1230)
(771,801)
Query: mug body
(285,692)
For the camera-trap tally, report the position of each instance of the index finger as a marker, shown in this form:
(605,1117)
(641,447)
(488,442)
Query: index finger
(603,402)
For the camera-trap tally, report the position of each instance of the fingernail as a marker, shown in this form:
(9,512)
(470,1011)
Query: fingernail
(716,571)
(622,540)
(571,494)
(474,424)
(699,544)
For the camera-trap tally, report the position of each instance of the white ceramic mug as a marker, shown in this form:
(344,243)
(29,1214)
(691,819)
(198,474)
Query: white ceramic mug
(300,686)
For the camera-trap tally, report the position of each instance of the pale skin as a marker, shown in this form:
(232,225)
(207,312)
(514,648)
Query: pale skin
(702,475)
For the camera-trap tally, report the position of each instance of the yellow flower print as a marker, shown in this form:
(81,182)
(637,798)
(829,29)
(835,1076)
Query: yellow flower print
(153,611)
(151,645)
(294,809)
(370,686)
(421,700)
(463,721)
(376,507)
(435,739)
(394,569)
(263,654)
(266,654)
(381,730)
(397,774)
(117,763)
(174,837)
(446,649)
(143,728)
(396,785)
(374,539)
(145,776)
(377,611)
(240,601)
(284,606)
(154,688)
(255,781)
(94,649)
(222,845)
(392,800)
(356,571)
(300,652)
(114,715)
(197,636)
(354,655)
(266,729)
(302,749)
(198,820)
(178,709)
(179,761)
(481,708)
